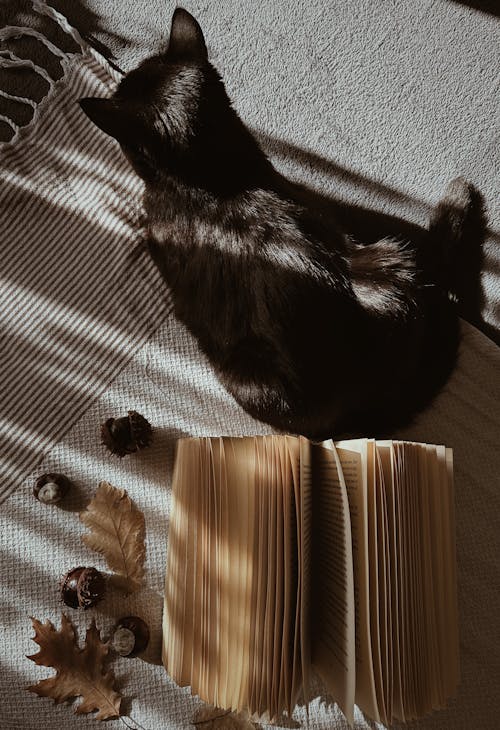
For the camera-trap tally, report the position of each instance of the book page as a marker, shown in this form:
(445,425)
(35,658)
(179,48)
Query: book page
(429,697)
(436,591)
(333,612)
(438,572)
(384,591)
(406,487)
(385,450)
(429,568)
(248,538)
(450,578)
(402,617)
(276,707)
(290,560)
(290,628)
(374,584)
(207,496)
(257,699)
(194,451)
(211,618)
(235,465)
(223,662)
(441,616)
(172,629)
(353,459)
(186,529)
(293,450)
(272,578)
(268,589)
(416,477)
(213,602)
(453,581)
(204,497)
(305,561)
(254,665)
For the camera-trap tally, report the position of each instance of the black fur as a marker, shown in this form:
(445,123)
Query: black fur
(309,330)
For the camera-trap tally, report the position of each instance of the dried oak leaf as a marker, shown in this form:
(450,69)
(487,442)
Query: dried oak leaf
(79,672)
(117,532)
(208,717)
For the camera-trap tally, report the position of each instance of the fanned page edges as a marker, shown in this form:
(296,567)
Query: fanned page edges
(286,556)
(232,622)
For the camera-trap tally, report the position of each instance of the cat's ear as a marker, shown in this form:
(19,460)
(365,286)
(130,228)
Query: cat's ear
(115,118)
(186,38)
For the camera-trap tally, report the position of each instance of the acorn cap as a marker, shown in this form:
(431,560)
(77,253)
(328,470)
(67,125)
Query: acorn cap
(126,435)
(51,488)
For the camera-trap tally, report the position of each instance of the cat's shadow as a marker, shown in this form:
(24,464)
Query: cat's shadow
(486,6)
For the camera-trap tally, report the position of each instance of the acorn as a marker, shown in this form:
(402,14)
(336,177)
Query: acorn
(51,488)
(130,636)
(82,587)
(126,435)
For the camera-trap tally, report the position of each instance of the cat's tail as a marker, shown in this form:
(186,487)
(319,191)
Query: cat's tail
(457,230)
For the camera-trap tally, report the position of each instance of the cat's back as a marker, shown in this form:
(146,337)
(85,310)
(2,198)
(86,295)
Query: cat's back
(254,229)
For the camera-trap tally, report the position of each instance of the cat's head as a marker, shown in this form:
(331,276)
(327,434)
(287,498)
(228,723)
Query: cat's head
(171,110)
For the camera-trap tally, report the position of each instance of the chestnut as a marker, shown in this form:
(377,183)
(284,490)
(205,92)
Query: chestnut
(51,488)
(130,636)
(126,435)
(82,587)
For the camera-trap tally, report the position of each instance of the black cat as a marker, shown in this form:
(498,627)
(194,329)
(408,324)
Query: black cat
(310,331)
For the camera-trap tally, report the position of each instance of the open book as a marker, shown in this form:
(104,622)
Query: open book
(286,556)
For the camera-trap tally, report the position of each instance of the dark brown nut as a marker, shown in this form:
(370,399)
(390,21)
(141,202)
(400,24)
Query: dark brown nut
(82,587)
(130,637)
(51,488)
(126,435)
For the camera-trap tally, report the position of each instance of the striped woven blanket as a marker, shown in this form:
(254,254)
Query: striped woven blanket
(78,291)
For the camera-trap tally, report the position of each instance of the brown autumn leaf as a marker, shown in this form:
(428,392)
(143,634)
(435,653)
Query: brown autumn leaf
(117,532)
(208,717)
(79,672)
